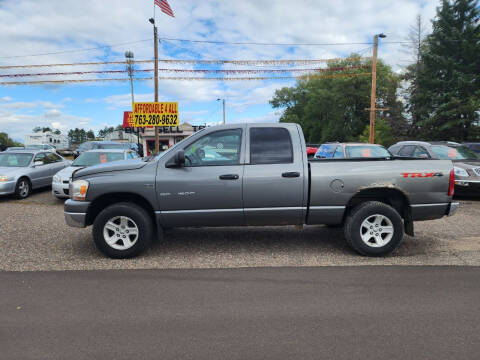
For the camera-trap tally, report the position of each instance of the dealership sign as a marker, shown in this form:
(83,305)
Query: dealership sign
(155,114)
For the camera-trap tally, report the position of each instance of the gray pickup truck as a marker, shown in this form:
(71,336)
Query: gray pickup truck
(255,175)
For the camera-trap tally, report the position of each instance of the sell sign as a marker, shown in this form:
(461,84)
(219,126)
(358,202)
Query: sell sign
(155,114)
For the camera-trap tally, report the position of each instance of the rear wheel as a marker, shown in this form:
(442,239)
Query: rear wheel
(23,188)
(123,230)
(373,229)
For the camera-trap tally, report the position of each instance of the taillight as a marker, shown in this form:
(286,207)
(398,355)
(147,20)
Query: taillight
(451,183)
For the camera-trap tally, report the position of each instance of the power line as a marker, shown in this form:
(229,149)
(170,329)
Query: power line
(281,44)
(75,50)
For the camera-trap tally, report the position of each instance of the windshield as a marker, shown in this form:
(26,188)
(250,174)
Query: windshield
(94,158)
(444,152)
(366,151)
(326,151)
(109,146)
(15,160)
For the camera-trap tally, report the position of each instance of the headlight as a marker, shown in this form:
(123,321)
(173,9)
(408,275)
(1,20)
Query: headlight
(459,171)
(78,189)
(56,179)
(3,178)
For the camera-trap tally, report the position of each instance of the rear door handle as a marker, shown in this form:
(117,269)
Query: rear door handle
(291,174)
(229,177)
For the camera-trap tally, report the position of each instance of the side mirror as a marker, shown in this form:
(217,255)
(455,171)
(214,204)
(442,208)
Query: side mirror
(178,160)
(38,163)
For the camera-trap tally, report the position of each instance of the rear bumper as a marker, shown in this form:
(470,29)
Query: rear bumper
(433,211)
(75,213)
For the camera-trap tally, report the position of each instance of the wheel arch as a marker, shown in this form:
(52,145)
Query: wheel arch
(105,200)
(394,197)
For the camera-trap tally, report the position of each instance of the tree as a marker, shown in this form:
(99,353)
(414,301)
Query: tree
(383,133)
(7,141)
(415,45)
(90,135)
(333,109)
(448,100)
(105,131)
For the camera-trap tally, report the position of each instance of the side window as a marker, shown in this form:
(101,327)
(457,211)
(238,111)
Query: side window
(407,151)
(52,158)
(420,151)
(40,157)
(338,152)
(217,148)
(270,146)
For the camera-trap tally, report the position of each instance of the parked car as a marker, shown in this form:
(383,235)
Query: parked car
(264,179)
(93,145)
(351,150)
(24,170)
(15,148)
(466,162)
(61,180)
(473,146)
(3,147)
(311,150)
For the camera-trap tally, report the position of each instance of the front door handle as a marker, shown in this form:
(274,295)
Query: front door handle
(291,174)
(229,177)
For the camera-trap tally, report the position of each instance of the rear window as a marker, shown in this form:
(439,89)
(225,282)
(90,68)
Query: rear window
(94,158)
(444,152)
(270,146)
(366,151)
(326,151)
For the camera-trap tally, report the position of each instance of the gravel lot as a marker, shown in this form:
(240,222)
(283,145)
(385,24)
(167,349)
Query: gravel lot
(33,236)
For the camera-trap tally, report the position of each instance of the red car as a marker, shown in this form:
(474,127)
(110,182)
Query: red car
(311,150)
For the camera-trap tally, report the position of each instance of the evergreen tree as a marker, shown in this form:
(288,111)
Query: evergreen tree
(448,102)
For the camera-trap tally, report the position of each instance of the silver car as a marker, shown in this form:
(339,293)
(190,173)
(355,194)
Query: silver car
(21,171)
(60,182)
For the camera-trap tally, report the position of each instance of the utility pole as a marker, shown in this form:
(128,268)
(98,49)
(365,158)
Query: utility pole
(155,75)
(374,87)
(130,70)
(223,102)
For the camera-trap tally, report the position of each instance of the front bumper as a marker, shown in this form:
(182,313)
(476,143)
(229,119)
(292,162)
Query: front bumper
(7,187)
(60,190)
(75,213)
(467,185)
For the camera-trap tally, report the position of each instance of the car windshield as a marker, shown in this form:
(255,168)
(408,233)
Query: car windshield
(366,151)
(445,152)
(109,146)
(94,158)
(15,160)
(326,151)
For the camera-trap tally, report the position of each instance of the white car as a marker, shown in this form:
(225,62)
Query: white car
(61,180)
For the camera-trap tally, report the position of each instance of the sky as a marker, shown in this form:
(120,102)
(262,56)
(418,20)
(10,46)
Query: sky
(31,28)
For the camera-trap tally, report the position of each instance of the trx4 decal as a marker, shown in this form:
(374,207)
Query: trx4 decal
(421,175)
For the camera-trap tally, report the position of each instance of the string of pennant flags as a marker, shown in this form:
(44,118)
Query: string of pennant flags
(72,81)
(197,62)
(192,71)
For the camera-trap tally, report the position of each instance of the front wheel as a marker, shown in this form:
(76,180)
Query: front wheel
(373,229)
(123,230)
(23,188)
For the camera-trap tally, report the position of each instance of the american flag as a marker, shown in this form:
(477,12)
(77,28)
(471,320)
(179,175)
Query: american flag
(165,7)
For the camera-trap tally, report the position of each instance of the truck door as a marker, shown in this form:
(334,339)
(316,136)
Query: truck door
(207,191)
(273,184)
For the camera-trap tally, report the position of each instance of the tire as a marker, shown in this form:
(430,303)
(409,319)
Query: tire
(373,229)
(23,189)
(118,222)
